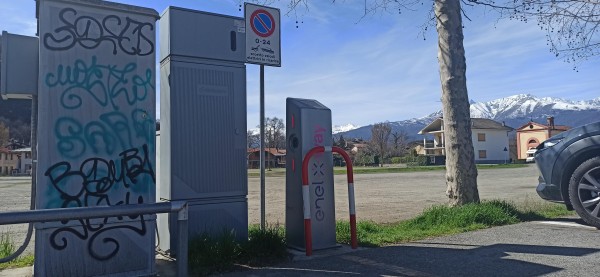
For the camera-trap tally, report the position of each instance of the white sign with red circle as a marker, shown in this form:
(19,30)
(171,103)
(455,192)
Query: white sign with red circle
(263,36)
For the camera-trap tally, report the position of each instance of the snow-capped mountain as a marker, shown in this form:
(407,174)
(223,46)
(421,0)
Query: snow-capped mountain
(515,111)
(344,128)
(524,105)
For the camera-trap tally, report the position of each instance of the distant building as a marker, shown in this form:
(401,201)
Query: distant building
(530,135)
(15,162)
(8,161)
(24,160)
(418,147)
(273,157)
(490,140)
(357,147)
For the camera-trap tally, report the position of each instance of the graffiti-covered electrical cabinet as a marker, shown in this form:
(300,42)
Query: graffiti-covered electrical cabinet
(203,122)
(308,124)
(96,126)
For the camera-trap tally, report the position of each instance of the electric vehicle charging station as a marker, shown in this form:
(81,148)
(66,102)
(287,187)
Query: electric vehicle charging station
(308,125)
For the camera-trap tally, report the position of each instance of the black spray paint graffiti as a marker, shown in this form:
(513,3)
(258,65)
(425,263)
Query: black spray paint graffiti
(128,35)
(97,178)
(102,82)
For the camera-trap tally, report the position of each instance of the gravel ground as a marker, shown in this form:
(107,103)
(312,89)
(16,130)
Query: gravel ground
(385,197)
(389,197)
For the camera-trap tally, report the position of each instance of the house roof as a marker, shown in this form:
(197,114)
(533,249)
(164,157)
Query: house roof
(22,150)
(556,127)
(484,123)
(360,145)
(476,123)
(273,151)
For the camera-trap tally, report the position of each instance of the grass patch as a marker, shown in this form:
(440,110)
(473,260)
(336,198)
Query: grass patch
(496,166)
(209,255)
(264,246)
(540,210)
(443,220)
(371,170)
(7,248)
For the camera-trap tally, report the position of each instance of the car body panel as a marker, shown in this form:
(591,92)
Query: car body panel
(556,163)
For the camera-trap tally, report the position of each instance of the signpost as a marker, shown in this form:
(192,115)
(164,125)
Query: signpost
(263,47)
(263,36)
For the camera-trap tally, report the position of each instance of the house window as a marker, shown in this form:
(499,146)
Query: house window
(532,143)
(481,137)
(482,154)
(11,157)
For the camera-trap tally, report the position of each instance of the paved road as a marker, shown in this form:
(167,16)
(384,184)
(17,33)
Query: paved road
(557,248)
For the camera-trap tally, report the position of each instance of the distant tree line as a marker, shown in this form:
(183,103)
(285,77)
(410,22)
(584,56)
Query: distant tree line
(384,143)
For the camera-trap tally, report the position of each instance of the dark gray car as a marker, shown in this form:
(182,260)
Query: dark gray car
(569,165)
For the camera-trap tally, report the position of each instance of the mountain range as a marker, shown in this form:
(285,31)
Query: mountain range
(515,111)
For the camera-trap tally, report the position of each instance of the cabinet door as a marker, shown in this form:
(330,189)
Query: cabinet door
(207,130)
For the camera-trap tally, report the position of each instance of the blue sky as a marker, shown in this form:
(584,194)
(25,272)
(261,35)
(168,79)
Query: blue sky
(379,67)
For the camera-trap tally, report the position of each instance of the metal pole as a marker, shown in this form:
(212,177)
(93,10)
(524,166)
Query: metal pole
(262,147)
(182,248)
(47,215)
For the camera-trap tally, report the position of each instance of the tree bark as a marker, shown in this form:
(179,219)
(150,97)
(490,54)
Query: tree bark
(461,173)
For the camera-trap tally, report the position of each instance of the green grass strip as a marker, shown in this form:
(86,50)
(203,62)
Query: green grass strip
(7,248)
(443,220)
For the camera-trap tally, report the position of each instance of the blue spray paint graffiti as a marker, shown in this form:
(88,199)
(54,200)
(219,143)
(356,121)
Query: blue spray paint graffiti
(112,131)
(103,83)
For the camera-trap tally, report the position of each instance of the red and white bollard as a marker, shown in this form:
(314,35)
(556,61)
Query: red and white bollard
(306,195)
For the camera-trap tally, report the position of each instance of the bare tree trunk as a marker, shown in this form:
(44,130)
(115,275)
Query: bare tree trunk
(461,173)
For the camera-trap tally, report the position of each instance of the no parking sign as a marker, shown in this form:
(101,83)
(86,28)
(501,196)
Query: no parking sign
(263,36)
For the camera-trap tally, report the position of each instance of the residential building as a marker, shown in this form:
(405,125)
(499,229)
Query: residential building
(530,135)
(24,160)
(418,147)
(15,162)
(490,140)
(356,147)
(8,162)
(273,157)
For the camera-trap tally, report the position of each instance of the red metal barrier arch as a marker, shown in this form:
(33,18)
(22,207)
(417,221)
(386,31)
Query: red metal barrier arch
(306,195)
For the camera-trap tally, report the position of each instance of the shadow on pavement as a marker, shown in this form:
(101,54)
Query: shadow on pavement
(429,259)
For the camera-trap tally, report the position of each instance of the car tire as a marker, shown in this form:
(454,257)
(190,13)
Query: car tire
(584,191)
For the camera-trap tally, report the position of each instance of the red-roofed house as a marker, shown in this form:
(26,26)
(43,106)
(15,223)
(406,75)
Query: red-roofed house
(273,157)
(530,135)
